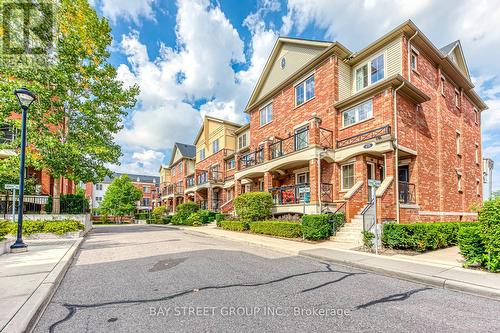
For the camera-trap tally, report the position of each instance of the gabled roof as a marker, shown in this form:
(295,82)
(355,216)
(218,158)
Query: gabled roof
(218,120)
(445,50)
(186,151)
(134,178)
(455,53)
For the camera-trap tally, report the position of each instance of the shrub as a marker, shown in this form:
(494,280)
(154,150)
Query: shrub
(183,211)
(62,227)
(277,228)
(338,221)
(32,227)
(142,216)
(368,237)
(5,229)
(207,216)
(166,219)
(195,219)
(422,236)
(317,226)
(253,206)
(159,211)
(234,225)
(471,245)
(219,218)
(489,218)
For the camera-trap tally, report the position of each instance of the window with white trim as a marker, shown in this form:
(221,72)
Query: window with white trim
(180,167)
(457,98)
(476,154)
(347,176)
(377,72)
(215,146)
(476,116)
(231,164)
(357,113)
(304,91)
(457,141)
(266,114)
(202,154)
(414,60)
(145,189)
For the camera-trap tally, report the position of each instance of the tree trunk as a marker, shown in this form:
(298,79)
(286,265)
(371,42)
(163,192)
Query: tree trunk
(56,197)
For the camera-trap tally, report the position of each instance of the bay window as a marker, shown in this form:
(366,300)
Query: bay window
(357,113)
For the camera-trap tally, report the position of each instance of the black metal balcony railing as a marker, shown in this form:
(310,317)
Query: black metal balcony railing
(293,194)
(369,135)
(216,176)
(190,181)
(252,158)
(295,142)
(407,193)
(175,189)
(202,178)
(325,138)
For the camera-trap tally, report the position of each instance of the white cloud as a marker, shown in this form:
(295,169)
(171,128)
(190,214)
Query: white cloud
(131,10)
(141,162)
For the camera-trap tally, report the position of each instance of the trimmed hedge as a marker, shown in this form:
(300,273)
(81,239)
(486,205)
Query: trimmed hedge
(317,227)
(37,227)
(277,228)
(471,245)
(422,236)
(234,225)
(489,218)
(5,229)
(254,206)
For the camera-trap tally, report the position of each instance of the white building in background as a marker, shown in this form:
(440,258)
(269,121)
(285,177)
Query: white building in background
(487,178)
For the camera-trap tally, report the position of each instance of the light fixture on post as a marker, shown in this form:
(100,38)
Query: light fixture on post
(25,98)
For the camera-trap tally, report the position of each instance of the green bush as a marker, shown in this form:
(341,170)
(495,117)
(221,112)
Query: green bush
(142,216)
(32,227)
(316,227)
(471,245)
(62,227)
(253,206)
(166,219)
(159,211)
(207,216)
(368,237)
(338,220)
(183,211)
(5,229)
(489,218)
(219,218)
(422,236)
(195,219)
(277,228)
(234,225)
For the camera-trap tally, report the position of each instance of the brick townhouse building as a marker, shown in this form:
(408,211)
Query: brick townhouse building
(149,186)
(325,120)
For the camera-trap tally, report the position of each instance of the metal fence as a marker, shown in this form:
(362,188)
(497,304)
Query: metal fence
(41,204)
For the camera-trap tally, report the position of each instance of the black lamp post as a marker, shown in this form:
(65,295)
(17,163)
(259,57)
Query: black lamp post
(25,98)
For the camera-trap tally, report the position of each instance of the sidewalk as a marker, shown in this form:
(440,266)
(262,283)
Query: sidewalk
(440,270)
(28,280)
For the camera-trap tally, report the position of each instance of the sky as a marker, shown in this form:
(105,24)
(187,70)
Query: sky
(192,58)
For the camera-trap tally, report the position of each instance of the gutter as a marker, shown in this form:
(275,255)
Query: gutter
(409,54)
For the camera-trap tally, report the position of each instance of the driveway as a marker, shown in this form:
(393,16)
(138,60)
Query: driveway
(133,278)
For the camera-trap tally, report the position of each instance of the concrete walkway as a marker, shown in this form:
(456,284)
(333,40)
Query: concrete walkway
(28,280)
(441,270)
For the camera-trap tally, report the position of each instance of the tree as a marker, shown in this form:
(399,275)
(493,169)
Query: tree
(80,102)
(120,198)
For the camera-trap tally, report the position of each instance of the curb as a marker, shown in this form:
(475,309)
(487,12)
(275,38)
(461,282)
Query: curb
(438,282)
(28,315)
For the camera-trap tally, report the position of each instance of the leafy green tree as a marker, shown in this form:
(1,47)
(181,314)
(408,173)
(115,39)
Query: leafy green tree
(120,198)
(80,102)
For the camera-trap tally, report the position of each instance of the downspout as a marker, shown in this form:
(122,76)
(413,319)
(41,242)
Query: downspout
(396,148)
(409,54)
(319,182)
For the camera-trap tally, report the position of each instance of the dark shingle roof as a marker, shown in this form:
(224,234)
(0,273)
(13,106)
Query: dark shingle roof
(134,178)
(188,151)
(445,50)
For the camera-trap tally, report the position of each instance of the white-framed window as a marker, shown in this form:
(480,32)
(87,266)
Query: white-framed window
(376,72)
(173,171)
(347,176)
(98,199)
(414,60)
(98,187)
(231,164)
(457,142)
(304,91)
(215,146)
(459,182)
(145,189)
(266,114)
(476,116)
(202,154)
(457,98)
(261,185)
(476,153)
(242,141)
(443,82)
(357,113)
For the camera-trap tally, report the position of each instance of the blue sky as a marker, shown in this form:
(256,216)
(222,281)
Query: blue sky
(196,57)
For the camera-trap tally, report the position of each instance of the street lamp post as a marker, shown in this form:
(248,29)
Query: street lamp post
(25,98)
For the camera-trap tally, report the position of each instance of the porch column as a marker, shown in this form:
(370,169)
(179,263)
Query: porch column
(268,181)
(174,204)
(267,151)
(237,187)
(209,198)
(313,181)
(314,126)
(386,205)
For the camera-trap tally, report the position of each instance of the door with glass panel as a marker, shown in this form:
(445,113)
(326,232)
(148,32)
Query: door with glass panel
(301,138)
(370,174)
(302,188)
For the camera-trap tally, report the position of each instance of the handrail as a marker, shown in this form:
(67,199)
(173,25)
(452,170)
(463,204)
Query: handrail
(376,133)
(368,226)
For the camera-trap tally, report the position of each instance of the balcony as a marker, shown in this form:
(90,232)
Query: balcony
(190,181)
(216,176)
(172,189)
(366,136)
(252,158)
(407,193)
(202,177)
(300,140)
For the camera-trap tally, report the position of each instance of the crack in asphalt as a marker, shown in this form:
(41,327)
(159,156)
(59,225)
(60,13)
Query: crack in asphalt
(72,308)
(392,298)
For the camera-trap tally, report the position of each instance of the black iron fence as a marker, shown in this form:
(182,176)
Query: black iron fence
(292,194)
(295,142)
(369,135)
(41,204)
(252,158)
(407,193)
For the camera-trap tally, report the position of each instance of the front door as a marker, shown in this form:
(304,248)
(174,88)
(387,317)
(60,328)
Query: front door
(404,178)
(302,187)
(215,200)
(370,174)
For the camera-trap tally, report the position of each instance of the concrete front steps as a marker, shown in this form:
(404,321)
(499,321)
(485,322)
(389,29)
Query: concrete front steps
(349,235)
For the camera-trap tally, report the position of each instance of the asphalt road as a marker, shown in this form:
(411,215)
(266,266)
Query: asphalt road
(156,279)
